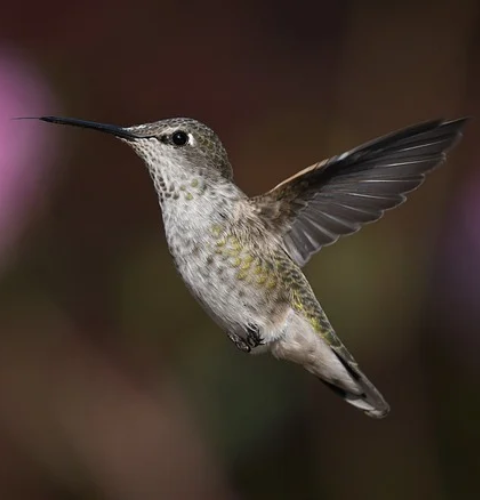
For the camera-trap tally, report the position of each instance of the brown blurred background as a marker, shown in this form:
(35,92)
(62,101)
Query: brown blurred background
(113,383)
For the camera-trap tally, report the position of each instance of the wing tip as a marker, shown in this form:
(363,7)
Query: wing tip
(456,132)
(458,124)
(460,121)
(440,122)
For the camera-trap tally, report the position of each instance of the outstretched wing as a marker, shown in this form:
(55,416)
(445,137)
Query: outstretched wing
(337,196)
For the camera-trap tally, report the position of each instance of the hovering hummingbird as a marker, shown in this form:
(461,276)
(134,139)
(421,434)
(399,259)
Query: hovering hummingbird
(241,257)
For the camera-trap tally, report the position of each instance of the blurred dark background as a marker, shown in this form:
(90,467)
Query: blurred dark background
(113,382)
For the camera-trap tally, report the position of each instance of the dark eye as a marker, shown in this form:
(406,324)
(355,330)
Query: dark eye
(179,138)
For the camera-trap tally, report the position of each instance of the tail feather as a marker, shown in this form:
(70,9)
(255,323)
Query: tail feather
(332,364)
(370,398)
(357,401)
(375,407)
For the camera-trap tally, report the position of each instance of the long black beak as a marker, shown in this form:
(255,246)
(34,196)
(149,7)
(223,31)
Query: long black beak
(103,127)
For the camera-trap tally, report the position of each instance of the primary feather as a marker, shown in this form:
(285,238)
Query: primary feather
(337,196)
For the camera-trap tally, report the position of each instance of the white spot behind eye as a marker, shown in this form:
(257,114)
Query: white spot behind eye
(191,139)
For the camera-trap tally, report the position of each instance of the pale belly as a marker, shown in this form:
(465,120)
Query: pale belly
(236,287)
(231,274)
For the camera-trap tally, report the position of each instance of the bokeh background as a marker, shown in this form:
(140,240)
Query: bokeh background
(113,382)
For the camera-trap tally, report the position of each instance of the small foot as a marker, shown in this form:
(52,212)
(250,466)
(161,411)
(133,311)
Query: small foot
(254,338)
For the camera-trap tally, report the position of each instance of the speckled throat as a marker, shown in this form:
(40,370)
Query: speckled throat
(192,201)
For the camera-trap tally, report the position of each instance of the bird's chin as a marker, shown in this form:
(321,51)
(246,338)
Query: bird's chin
(127,140)
(141,146)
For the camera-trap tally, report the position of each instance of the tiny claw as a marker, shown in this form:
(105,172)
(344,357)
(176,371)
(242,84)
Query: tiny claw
(254,339)
(239,342)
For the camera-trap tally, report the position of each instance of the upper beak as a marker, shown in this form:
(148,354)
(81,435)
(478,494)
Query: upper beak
(121,132)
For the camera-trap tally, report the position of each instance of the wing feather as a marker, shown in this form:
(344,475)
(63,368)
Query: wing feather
(337,196)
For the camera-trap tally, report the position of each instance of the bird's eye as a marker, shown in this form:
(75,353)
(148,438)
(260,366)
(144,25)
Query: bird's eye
(179,138)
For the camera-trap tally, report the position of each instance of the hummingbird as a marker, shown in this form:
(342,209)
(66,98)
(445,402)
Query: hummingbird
(241,257)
